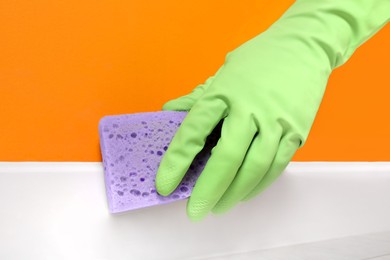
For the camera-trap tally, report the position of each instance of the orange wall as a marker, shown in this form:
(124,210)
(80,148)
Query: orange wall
(65,64)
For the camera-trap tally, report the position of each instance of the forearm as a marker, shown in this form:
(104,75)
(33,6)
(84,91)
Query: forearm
(338,27)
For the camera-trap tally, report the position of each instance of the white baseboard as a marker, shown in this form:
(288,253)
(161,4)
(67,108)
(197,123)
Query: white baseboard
(58,210)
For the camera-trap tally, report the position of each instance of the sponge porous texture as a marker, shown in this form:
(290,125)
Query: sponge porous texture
(132,146)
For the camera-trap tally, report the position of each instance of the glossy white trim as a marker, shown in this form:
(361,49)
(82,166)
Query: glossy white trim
(58,210)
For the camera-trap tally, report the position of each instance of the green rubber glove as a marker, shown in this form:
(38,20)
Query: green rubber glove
(267,92)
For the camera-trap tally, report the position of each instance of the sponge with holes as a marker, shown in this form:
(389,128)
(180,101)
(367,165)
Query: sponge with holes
(132,146)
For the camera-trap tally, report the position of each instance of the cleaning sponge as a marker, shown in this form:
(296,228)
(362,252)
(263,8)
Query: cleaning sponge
(132,146)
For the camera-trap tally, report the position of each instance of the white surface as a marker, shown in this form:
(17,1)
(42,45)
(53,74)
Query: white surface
(59,211)
(364,247)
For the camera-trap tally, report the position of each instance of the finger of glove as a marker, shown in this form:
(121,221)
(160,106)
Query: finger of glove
(226,157)
(186,102)
(256,164)
(287,148)
(187,143)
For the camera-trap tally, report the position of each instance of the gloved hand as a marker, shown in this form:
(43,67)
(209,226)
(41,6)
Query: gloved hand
(267,92)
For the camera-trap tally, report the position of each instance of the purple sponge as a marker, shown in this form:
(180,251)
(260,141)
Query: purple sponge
(132,146)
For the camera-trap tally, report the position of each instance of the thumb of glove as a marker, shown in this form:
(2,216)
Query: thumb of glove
(185,103)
